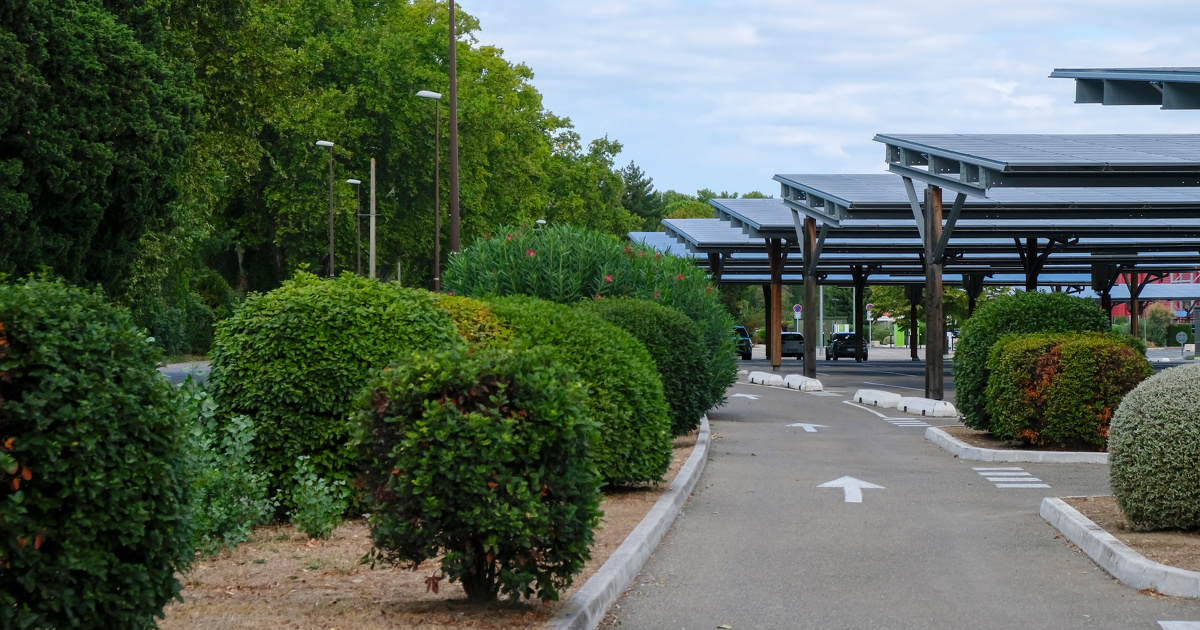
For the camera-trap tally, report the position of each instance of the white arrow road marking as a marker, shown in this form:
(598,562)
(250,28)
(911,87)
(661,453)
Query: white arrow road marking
(750,396)
(809,428)
(1180,625)
(852,486)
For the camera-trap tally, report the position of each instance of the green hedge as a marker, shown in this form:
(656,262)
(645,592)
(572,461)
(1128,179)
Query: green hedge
(94,472)
(482,458)
(1154,451)
(624,394)
(673,340)
(474,320)
(567,264)
(1061,389)
(294,359)
(1020,313)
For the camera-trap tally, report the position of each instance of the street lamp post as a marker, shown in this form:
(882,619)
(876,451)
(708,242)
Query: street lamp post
(357,220)
(329,145)
(437,209)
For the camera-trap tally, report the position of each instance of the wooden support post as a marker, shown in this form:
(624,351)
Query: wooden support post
(935,323)
(1032,268)
(767,340)
(860,312)
(1135,303)
(775,255)
(914,337)
(714,267)
(808,247)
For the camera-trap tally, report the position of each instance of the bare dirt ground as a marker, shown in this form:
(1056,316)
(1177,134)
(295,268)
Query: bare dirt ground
(1173,548)
(280,579)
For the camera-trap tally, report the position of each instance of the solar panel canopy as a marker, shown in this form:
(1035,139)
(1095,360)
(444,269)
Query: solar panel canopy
(975,163)
(1169,88)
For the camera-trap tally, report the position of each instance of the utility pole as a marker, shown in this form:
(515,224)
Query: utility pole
(453,93)
(372,262)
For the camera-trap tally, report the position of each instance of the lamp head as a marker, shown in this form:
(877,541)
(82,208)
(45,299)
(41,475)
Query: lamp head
(353,181)
(324,143)
(428,94)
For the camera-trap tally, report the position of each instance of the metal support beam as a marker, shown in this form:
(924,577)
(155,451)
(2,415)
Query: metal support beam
(939,250)
(916,206)
(935,323)
(973,285)
(714,266)
(767,341)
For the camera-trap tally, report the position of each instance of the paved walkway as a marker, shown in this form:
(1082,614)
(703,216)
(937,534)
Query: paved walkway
(763,545)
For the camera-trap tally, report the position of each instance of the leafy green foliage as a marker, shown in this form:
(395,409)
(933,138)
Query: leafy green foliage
(1021,313)
(320,503)
(294,359)
(474,320)
(673,340)
(229,497)
(93,128)
(624,393)
(1061,389)
(1154,451)
(640,199)
(566,264)
(482,457)
(95,489)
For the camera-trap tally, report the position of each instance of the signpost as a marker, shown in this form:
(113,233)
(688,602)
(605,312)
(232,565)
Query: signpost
(796,316)
(1181,337)
(869,326)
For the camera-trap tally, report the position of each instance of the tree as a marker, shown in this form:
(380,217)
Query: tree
(584,189)
(640,198)
(92,131)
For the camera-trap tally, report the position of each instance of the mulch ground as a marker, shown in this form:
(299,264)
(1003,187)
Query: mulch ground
(280,579)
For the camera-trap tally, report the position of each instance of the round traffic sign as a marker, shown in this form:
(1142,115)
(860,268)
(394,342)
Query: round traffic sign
(1181,337)
(797,308)
(870,306)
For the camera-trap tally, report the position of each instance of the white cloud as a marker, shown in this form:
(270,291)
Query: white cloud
(723,94)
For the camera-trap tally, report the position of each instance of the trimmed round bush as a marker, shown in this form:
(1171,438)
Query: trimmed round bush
(474,320)
(94,474)
(1154,451)
(1061,389)
(1019,313)
(624,393)
(482,458)
(568,264)
(293,361)
(673,341)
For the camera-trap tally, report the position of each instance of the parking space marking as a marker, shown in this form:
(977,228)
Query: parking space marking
(1010,477)
(906,422)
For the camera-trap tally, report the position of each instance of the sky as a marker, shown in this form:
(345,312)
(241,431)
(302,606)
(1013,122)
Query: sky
(724,95)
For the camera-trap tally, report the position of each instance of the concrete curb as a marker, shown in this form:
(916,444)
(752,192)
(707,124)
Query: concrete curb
(965,451)
(586,609)
(1114,556)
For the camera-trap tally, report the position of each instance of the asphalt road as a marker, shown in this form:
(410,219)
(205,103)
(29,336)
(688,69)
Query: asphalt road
(761,546)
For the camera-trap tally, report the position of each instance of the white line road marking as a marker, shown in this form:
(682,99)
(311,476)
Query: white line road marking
(809,428)
(906,422)
(1010,477)
(853,487)
(915,389)
(854,404)
(750,396)
(1179,625)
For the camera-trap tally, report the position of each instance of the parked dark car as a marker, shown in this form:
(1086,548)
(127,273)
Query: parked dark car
(842,345)
(792,345)
(741,339)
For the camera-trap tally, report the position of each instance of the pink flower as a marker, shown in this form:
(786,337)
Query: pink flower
(529,252)
(680,276)
(657,294)
(657,255)
(640,254)
(451,293)
(628,250)
(598,296)
(608,278)
(510,237)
